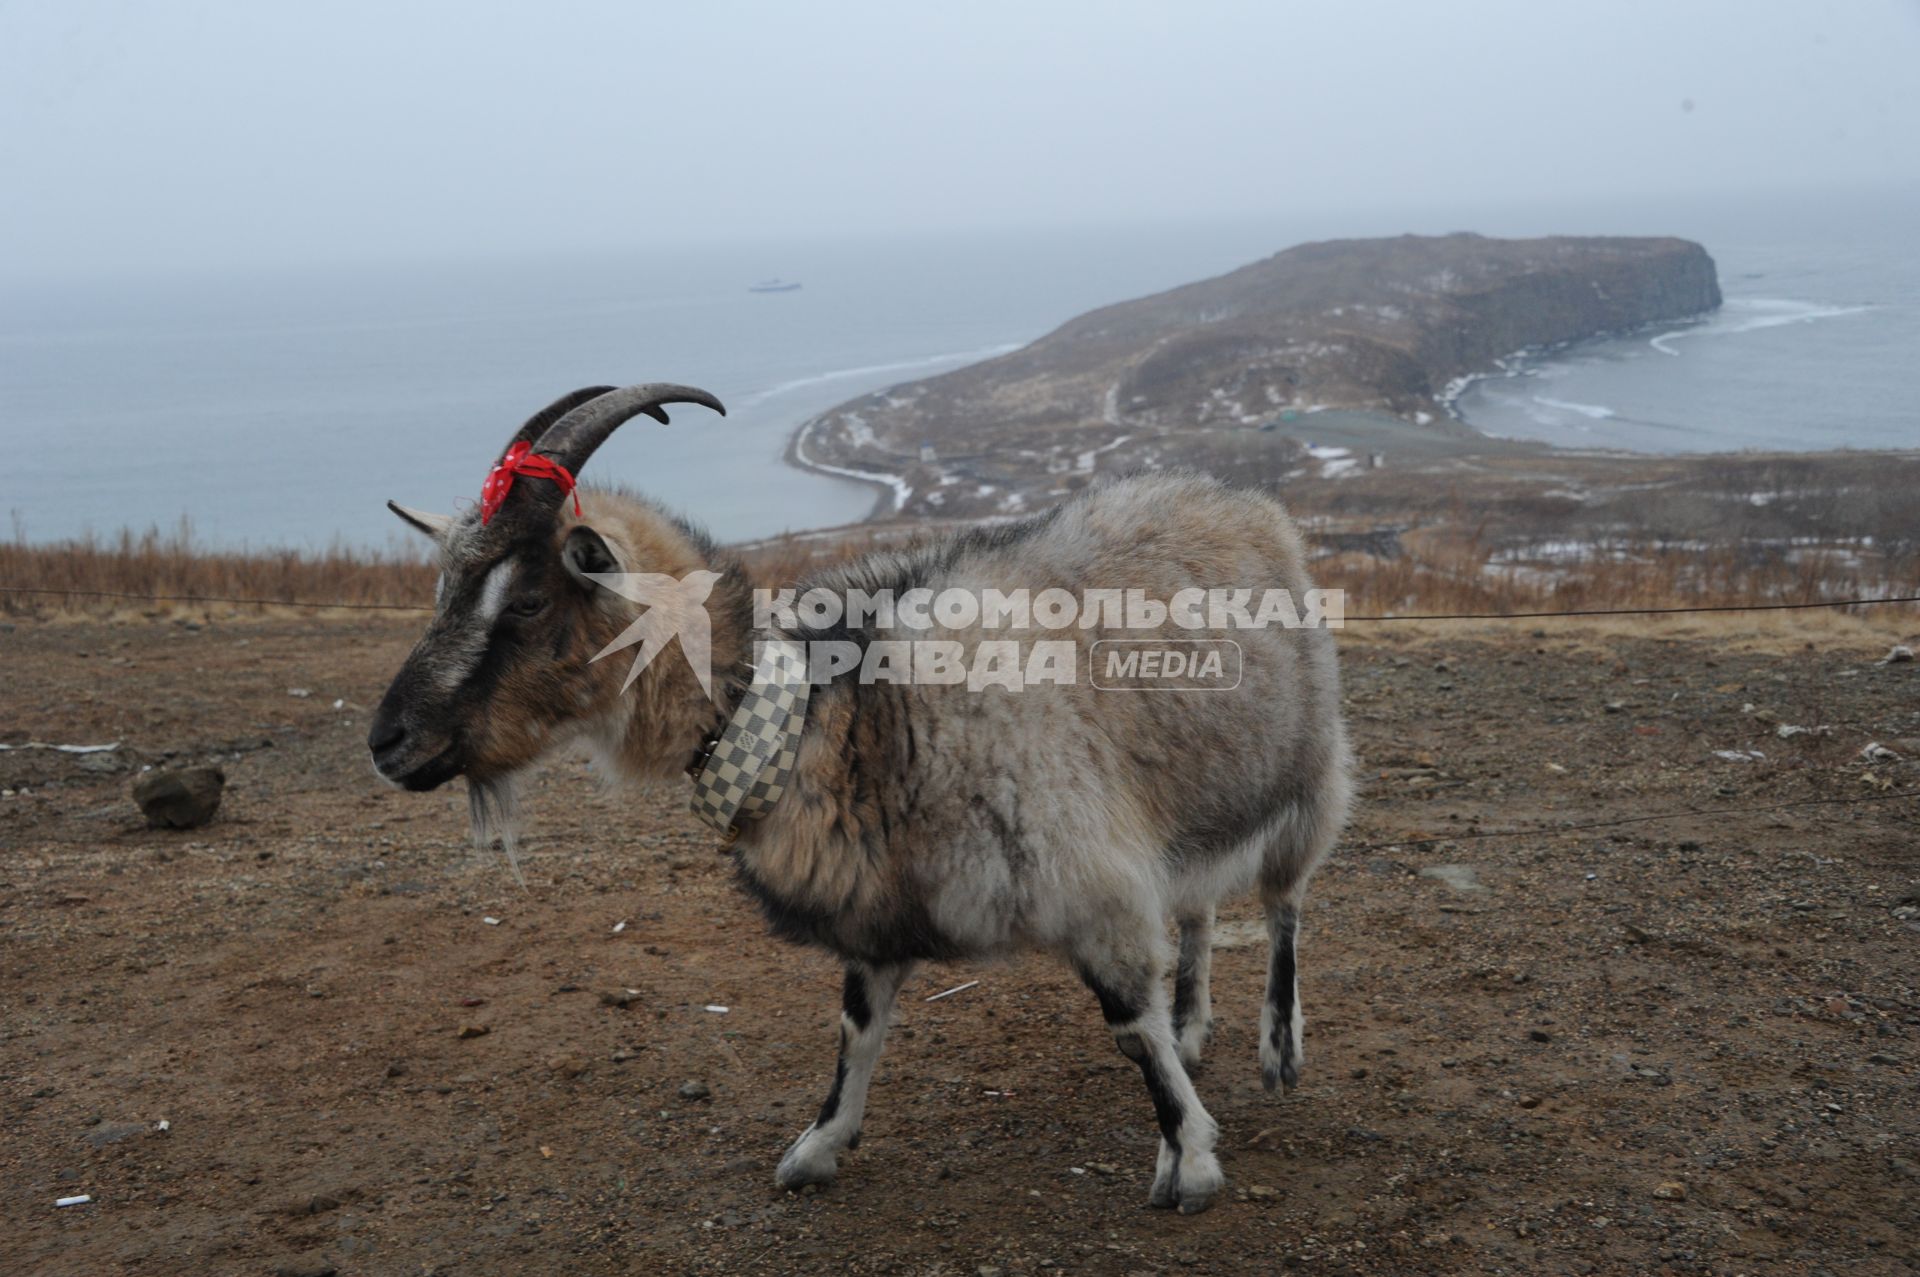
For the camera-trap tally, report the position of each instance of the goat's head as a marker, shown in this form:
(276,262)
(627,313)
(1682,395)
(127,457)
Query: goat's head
(503,672)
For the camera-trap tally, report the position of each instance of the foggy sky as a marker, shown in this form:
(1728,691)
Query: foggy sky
(220,133)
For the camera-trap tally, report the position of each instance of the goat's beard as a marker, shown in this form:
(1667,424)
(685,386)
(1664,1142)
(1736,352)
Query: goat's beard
(493,811)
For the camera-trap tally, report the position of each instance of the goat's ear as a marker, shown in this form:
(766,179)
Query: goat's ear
(585,553)
(434,525)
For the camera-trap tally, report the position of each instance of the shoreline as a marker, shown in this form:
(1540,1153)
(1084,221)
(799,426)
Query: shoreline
(1515,363)
(891,491)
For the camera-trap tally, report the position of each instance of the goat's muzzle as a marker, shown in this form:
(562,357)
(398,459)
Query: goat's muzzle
(408,758)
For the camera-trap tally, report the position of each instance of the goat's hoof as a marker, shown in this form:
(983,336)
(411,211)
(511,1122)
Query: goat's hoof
(1285,1075)
(1198,1182)
(1190,1185)
(1165,1194)
(1193,1043)
(806,1163)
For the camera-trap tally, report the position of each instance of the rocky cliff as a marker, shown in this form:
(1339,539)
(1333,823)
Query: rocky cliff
(1391,326)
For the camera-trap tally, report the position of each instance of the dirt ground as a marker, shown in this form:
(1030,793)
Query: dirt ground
(1688,1046)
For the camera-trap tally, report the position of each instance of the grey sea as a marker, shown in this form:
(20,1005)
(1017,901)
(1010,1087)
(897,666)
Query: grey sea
(283,408)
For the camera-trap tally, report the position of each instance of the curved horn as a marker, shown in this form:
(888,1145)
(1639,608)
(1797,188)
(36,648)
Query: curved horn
(574,437)
(539,423)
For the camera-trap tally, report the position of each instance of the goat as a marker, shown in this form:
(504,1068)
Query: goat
(917,821)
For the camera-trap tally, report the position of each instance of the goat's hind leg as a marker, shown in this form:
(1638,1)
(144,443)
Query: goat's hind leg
(1281,1022)
(866,1002)
(1192,995)
(1133,997)
(1296,851)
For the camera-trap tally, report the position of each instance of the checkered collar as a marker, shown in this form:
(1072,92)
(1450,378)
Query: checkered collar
(746,771)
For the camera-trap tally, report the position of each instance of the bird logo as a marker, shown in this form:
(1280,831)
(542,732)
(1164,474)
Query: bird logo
(675,607)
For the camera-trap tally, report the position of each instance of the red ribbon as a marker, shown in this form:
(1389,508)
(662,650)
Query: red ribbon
(522,459)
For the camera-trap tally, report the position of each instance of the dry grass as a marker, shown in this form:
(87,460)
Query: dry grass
(103,577)
(1439,570)
(1459,574)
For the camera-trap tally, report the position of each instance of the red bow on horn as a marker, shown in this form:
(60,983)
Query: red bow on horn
(521,459)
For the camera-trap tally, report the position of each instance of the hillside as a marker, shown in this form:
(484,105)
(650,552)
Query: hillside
(1389,326)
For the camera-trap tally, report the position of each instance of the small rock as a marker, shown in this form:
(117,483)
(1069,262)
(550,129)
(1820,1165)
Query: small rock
(1529,1101)
(692,1090)
(1104,1169)
(1539,1035)
(567,1065)
(185,798)
(475,1030)
(1900,654)
(397,1069)
(112,1133)
(1671,1191)
(1614,707)
(617,998)
(1262,1193)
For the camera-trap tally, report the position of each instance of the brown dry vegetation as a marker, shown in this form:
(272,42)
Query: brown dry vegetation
(1453,565)
(106,576)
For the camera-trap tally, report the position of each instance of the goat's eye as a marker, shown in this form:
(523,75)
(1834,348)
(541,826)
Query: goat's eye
(527,606)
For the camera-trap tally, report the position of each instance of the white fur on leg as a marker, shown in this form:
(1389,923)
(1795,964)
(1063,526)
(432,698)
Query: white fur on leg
(1190,1177)
(814,1158)
(1200,1180)
(1282,1059)
(1166,1169)
(1194,1035)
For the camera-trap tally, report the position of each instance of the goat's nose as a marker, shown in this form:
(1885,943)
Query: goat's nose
(386,735)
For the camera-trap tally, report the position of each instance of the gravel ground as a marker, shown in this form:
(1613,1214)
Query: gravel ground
(1686,1046)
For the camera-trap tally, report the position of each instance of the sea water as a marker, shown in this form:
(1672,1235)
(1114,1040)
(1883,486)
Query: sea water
(1816,346)
(283,408)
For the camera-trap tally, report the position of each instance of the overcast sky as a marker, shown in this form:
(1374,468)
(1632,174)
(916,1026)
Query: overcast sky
(198,133)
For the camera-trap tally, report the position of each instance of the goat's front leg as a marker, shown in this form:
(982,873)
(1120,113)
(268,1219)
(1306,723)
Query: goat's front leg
(1134,1002)
(866,1002)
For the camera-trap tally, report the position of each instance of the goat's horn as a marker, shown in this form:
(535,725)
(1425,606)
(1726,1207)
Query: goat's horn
(574,437)
(540,422)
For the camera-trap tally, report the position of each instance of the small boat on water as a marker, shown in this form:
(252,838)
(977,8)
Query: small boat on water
(773,286)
